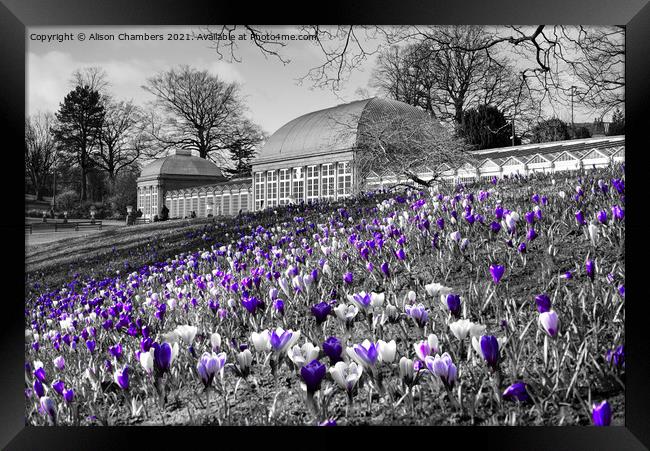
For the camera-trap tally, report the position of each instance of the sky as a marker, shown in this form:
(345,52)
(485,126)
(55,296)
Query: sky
(270,88)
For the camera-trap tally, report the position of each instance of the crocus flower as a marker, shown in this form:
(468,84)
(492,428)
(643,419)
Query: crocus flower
(121,377)
(387,350)
(616,358)
(365,354)
(39,389)
(495,227)
(490,350)
(164,355)
(261,341)
(301,355)
(580,218)
(601,414)
(320,311)
(425,348)
(312,375)
(618,213)
(400,254)
(244,361)
(602,216)
(521,248)
(406,371)
(328,422)
(281,339)
(435,289)
(497,272)
(90,344)
(443,367)
(567,275)
(531,235)
(346,313)
(543,303)
(348,277)
(549,321)
(59,363)
(58,386)
(49,406)
(147,360)
(333,349)
(115,351)
(215,342)
(589,267)
(385,269)
(418,313)
(68,395)
(186,333)
(463,327)
(346,375)
(361,299)
(453,303)
(209,365)
(40,374)
(592,230)
(516,392)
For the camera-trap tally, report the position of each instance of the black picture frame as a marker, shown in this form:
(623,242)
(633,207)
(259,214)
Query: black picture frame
(16,15)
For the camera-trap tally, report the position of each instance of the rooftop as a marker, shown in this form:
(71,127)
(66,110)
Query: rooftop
(181,163)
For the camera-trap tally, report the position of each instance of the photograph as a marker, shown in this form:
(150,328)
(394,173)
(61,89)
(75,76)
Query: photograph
(325,225)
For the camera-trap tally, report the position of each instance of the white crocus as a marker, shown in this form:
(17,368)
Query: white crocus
(215,341)
(146,360)
(406,370)
(346,312)
(377,299)
(387,351)
(346,375)
(461,328)
(436,289)
(261,341)
(593,233)
(186,333)
(302,355)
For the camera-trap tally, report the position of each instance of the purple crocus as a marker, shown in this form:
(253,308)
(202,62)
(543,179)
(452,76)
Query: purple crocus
(278,304)
(385,269)
(453,303)
(602,216)
(320,311)
(601,414)
(348,278)
(40,374)
(162,356)
(115,351)
(589,267)
(49,407)
(250,304)
(495,227)
(366,353)
(38,388)
(441,223)
(68,395)
(312,375)
(90,344)
(580,218)
(121,377)
(400,254)
(521,248)
(543,303)
(618,213)
(443,367)
(531,235)
(549,321)
(333,349)
(490,350)
(530,217)
(418,313)
(516,392)
(58,386)
(616,358)
(497,272)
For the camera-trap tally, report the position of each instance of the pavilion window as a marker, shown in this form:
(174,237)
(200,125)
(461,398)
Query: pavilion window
(217,205)
(174,210)
(235,203)
(345,179)
(259,191)
(201,211)
(298,184)
(328,178)
(285,186)
(168,204)
(272,188)
(244,202)
(312,183)
(226,204)
(188,206)
(154,201)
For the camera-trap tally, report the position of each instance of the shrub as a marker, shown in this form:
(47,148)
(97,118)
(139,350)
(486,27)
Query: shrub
(164,213)
(67,201)
(155,218)
(550,130)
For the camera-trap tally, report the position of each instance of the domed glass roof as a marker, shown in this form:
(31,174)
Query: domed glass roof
(328,130)
(182,163)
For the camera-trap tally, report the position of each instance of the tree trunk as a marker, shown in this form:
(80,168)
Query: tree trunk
(83,182)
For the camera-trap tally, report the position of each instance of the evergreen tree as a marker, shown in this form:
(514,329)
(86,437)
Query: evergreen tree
(617,127)
(243,149)
(80,117)
(486,127)
(550,130)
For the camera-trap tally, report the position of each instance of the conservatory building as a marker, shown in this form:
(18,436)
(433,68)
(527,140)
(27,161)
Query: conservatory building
(312,156)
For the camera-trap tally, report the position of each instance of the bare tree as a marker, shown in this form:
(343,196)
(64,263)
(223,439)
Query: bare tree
(199,111)
(40,149)
(413,146)
(121,138)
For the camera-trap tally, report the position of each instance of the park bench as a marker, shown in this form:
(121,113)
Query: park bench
(142,221)
(57,226)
